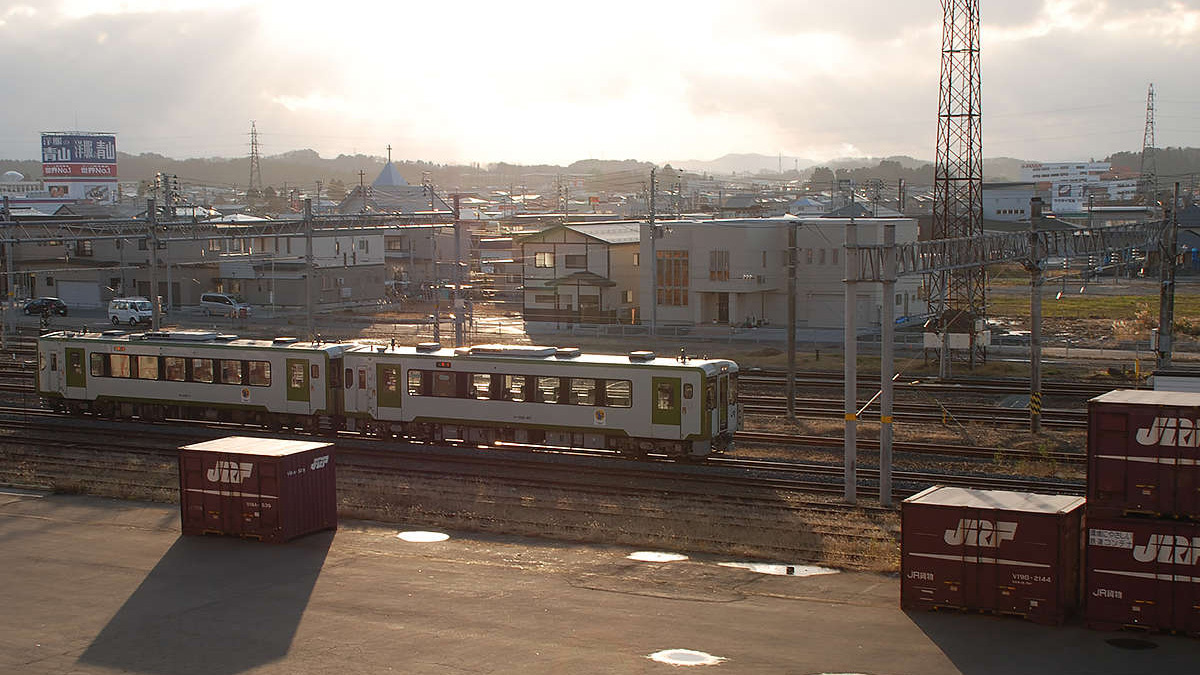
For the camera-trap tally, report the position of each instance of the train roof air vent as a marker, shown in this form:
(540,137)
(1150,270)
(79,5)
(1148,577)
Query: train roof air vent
(428,346)
(283,340)
(641,356)
(567,352)
(112,333)
(226,337)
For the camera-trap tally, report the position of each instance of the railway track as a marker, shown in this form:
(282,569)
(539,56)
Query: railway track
(822,408)
(1001,386)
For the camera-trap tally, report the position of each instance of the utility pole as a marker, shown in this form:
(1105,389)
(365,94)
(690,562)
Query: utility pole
(362,190)
(8,276)
(459,305)
(887,366)
(310,270)
(1166,297)
(653,257)
(1035,265)
(791,323)
(152,222)
(850,367)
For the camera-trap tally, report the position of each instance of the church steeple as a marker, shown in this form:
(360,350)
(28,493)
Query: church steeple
(389,177)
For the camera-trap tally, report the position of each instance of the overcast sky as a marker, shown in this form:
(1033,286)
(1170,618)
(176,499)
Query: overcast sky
(553,82)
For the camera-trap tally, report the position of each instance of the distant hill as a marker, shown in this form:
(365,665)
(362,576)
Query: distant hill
(744,163)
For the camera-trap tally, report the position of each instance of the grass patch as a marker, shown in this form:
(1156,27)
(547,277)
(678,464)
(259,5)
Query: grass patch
(1112,307)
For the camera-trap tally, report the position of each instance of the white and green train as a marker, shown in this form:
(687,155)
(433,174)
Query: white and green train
(635,404)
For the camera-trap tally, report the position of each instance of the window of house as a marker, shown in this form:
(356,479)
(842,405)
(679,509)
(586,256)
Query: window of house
(718,265)
(543,259)
(544,299)
(627,297)
(821,257)
(834,254)
(672,278)
(637,259)
(575,261)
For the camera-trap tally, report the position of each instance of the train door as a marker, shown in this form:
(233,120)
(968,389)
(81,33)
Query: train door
(50,369)
(76,376)
(388,382)
(364,388)
(298,396)
(666,409)
(723,403)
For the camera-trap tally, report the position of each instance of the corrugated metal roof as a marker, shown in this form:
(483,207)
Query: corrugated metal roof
(610,233)
(1001,500)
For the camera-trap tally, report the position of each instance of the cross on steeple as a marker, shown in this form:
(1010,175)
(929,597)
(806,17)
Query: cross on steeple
(389,153)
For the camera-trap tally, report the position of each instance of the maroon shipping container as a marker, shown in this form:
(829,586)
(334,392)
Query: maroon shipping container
(264,488)
(992,550)
(1142,454)
(1143,572)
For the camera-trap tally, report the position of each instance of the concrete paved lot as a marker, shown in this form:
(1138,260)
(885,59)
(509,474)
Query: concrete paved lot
(96,586)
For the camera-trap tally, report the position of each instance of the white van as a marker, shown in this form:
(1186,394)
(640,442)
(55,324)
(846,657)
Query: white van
(130,311)
(222,304)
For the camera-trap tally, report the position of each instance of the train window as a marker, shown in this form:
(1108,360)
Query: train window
(231,371)
(295,376)
(54,362)
(175,368)
(147,367)
(414,383)
(202,370)
(260,374)
(349,378)
(688,390)
(75,361)
(723,394)
(514,388)
(97,365)
(547,389)
(710,393)
(583,391)
(733,385)
(41,360)
(618,393)
(444,384)
(665,397)
(118,365)
(390,383)
(316,372)
(481,386)
(362,378)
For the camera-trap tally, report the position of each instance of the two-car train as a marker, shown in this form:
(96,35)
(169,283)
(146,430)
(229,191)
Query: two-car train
(635,404)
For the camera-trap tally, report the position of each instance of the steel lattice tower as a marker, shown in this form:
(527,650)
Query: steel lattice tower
(957,298)
(1148,180)
(255,168)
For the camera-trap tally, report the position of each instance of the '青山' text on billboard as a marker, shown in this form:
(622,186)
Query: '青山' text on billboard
(79,155)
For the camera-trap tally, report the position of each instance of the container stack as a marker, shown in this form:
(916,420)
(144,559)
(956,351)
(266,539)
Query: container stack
(1143,511)
(260,488)
(993,551)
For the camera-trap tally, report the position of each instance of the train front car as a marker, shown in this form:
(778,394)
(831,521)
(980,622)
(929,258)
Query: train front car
(635,404)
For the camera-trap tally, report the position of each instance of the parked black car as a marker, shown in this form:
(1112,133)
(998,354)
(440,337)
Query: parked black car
(39,305)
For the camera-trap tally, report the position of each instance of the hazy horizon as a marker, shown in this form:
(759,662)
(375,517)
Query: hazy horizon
(550,83)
